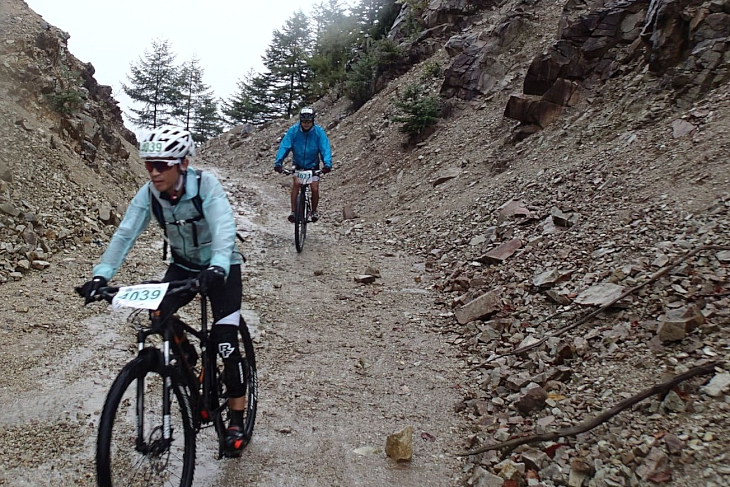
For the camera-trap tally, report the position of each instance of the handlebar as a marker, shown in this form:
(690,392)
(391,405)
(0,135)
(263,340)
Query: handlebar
(107,293)
(289,172)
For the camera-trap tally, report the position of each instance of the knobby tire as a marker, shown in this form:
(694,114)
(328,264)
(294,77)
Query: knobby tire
(245,345)
(252,382)
(119,460)
(300,222)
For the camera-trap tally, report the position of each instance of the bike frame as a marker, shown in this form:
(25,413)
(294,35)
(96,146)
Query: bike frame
(201,402)
(304,201)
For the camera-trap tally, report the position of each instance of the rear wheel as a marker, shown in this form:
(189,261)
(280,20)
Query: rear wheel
(300,222)
(131,446)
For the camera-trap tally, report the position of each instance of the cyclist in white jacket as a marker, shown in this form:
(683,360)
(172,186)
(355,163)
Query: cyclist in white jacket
(199,227)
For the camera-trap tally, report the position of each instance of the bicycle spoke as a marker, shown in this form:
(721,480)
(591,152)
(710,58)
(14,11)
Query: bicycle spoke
(127,458)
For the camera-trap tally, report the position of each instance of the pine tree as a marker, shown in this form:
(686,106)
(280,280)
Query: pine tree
(336,33)
(325,15)
(251,103)
(286,59)
(192,92)
(153,83)
(375,17)
(206,121)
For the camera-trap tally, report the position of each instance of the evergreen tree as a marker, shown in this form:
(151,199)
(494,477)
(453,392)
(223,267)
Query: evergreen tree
(286,59)
(336,33)
(325,15)
(206,121)
(375,17)
(251,103)
(192,92)
(153,82)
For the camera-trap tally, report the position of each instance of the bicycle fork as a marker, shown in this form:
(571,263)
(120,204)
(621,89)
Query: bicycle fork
(152,446)
(306,203)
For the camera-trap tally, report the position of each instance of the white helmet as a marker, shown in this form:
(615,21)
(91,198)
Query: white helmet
(167,141)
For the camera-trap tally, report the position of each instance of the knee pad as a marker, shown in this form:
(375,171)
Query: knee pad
(225,338)
(235,371)
(235,376)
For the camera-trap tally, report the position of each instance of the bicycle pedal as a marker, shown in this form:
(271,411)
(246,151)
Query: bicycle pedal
(232,453)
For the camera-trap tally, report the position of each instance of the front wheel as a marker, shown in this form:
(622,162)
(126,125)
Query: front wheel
(245,345)
(133,447)
(252,381)
(300,222)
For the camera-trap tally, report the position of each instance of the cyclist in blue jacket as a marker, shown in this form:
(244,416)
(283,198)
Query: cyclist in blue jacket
(199,226)
(308,144)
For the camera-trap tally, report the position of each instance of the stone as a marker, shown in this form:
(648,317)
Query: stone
(534,459)
(723,256)
(678,322)
(546,278)
(364,279)
(399,446)
(656,463)
(348,213)
(718,385)
(482,478)
(9,209)
(40,264)
(673,403)
(479,308)
(533,399)
(447,175)
(680,128)
(6,174)
(514,208)
(502,252)
(373,271)
(532,111)
(600,294)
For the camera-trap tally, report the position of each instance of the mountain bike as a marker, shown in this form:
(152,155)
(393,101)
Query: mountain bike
(303,213)
(159,401)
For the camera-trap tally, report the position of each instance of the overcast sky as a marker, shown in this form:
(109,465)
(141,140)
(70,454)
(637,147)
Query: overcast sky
(227,36)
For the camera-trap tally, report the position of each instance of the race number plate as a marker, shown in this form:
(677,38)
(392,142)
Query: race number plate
(306,177)
(146,296)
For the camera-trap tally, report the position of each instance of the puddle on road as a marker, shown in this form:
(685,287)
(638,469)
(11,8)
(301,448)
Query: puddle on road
(74,389)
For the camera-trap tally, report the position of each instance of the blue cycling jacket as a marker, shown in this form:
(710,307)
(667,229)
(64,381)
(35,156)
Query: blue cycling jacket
(307,148)
(216,232)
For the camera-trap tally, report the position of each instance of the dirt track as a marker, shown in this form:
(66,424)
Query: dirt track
(341,364)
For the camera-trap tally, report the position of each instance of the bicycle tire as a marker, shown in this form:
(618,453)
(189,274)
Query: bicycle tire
(300,220)
(245,345)
(122,458)
(252,381)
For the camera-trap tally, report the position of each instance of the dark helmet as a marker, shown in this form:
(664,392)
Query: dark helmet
(307,114)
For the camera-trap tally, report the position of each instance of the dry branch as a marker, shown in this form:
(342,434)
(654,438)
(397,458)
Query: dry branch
(663,387)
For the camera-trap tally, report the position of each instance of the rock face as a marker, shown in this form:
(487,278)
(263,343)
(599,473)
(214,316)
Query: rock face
(683,44)
(65,167)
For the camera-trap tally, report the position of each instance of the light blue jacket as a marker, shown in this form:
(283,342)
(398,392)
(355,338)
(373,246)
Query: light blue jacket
(306,147)
(216,233)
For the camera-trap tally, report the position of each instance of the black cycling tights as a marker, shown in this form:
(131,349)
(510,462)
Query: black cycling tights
(225,300)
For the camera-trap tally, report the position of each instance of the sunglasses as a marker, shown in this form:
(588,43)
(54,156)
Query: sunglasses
(160,166)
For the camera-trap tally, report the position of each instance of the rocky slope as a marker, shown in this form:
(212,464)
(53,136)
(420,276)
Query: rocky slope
(63,143)
(611,169)
(526,229)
